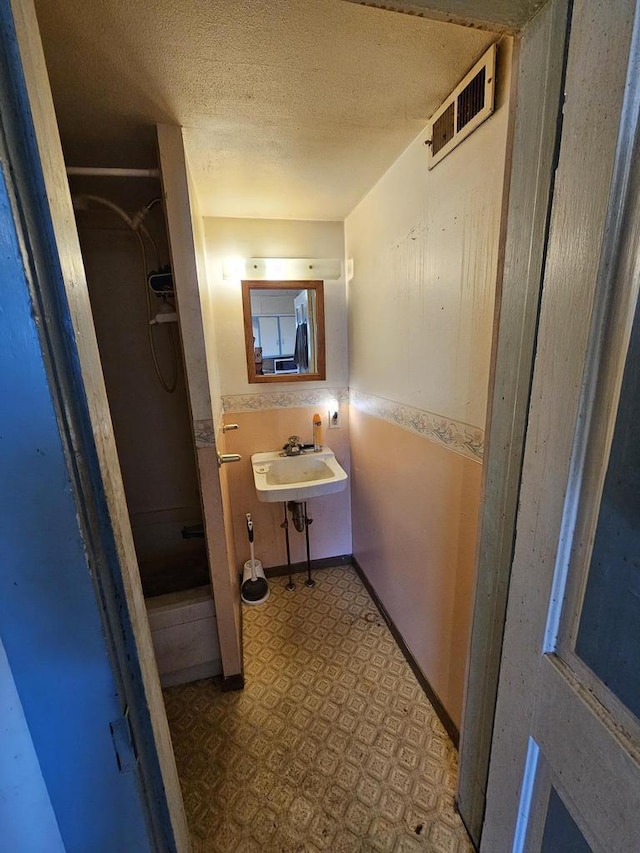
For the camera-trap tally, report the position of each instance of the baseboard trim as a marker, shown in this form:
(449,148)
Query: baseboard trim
(322,563)
(432,696)
(233,682)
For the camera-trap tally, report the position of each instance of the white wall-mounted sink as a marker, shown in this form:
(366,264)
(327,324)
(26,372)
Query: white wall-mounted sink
(297,478)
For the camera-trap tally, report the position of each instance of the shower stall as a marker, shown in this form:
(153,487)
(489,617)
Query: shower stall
(123,237)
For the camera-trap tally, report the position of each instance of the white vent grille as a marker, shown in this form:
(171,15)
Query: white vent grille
(470,103)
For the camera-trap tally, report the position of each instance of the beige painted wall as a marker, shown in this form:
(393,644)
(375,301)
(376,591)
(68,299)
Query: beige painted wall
(421,310)
(268,414)
(425,250)
(414,534)
(272,238)
(330,533)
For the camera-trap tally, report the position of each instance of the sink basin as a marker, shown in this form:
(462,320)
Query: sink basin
(297,478)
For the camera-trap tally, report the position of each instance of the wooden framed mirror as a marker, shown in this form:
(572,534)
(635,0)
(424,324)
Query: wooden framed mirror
(284,330)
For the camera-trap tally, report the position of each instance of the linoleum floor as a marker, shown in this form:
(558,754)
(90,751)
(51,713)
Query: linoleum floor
(332,745)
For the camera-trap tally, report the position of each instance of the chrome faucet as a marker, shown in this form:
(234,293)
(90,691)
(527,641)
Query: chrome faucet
(293,447)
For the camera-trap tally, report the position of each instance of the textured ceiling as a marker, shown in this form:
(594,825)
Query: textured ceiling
(291,109)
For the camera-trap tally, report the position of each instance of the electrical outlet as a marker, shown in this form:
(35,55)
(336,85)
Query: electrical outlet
(334,419)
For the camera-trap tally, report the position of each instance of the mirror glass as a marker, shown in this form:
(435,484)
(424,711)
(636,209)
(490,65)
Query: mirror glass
(284,330)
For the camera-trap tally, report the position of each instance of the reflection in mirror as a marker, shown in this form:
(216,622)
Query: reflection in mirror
(284,330)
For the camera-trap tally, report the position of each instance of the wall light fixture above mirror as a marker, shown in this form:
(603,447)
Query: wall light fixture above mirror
(284,330)
(277,269)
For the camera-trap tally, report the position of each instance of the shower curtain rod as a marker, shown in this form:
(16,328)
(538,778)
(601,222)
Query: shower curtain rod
(113,173)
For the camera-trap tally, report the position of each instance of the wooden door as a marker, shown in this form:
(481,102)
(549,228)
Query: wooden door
(186,241)
(565,771)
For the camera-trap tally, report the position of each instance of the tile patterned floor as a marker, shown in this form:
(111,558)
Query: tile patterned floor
(332,745)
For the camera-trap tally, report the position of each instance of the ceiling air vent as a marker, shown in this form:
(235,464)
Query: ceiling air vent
(470,103)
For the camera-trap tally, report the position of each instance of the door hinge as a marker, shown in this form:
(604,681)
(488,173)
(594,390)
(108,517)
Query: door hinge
(123,743)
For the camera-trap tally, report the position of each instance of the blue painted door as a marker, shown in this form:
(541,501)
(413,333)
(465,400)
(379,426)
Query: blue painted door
(49,619)
(60,661)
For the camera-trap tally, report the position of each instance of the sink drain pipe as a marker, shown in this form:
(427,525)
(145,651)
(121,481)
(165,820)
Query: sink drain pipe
(298,515)
(301,521)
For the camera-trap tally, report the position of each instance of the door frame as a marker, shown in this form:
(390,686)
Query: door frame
(52,250)
(536,102)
